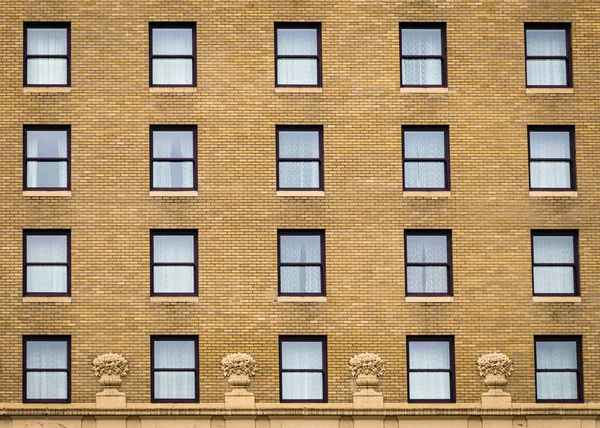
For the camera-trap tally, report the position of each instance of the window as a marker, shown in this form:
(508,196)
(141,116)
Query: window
(555,262)
(174,262)
(46,369)
(423,54)
(298,54)
(548,55)
(303,368)
(558,369)
(172,54)
(173,153)
(47,54)
(47,157)
(174,369)
(430,369)
(300,158)
(551,158)
(428,261)
(426,158)
(47,262)
(301,262)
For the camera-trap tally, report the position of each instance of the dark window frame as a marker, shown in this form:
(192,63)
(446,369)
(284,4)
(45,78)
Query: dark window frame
(554,128)
(42,232)
(292,338)
(568,58)
(26,56)
(444,57)
(429,232)
(26,158)
(575,265)
(452,370)
(446,159)
(318,57)
(194,159)
(51,338)
(301,232)
(193,57)
(301,128)
(173,232)
(165,338)
(578,371)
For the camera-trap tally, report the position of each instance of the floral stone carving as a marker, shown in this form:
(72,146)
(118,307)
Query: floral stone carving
(366,369)
(110,368)
(238,368)
(495,368)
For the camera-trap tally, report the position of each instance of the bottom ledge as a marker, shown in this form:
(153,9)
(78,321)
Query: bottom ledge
(430,299)
(174,299)
(556,299)
(302,299)
(46,299)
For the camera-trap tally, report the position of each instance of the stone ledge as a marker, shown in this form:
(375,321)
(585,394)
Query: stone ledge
(433,194)
(174,299)
(301,193)
(429,299)
(302,299)
(556,299)
(47,193)
(298,90)
(173,193)
(46,89)
(549,90)
(46,299)
(173,89)
(552,194)
(411,90)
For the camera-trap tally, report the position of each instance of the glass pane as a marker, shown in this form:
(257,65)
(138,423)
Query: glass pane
(550,145)
(429,386)
(173,144)
(300,248)
(47,174)
(424,144)
(553,249)
(299,175)
(426,248)
(299,144)
(547,279)
(297,41)
(302,386)
(173,279)
(175,385)
(556,386)
(301,355)
(173,248)
(300,279)
(174,354)
(47,248)
(297,72)
(422,72)
(424,175)
(51,354)
(550,175)
(46,71)
(47,144)
(173,175)
(430,279)
(46,279)
(546,72)
(422,41)
(46,385)
(556,354)
(47,41)
(546,42)
(172,72)
(429,355)
(172,41)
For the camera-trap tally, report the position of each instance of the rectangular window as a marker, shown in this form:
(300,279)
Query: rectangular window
(555,262)
(174,157)
(430,369)
(428,261)
(423,54)
(301,262)
(548,55)
(47,262)
(47,152)
(174,361)
(558,369)
(426,158)
(551,157)
(46,369)
(298,54)
(174,259)
(303,369)
(299,158)
(47,49)
(172,54)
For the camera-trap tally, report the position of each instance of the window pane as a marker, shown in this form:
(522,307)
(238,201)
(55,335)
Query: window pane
(302,386)
(173,144)
(546,42)
(297,41)
(422,72)
(173,279)
(46,71)
(51,354)
(297,72)
(47,144)
(174,385)
(550,145)
(422,42)
(430,279)
(299,144)
(173,248)
(425,175)
(546,72)
(46,279)
(174,354)
(172,41)
(556,386)
(47,385)
(300,279)
(429,355)
(172,72)
(47,174)
(424,144)
(551,175)
(426,249)
(47,41)
(556,355)
(555,279)
(174,175)
(300,248)
(553,249)
(301,355)
(299,175)
(47,248)
(429,386)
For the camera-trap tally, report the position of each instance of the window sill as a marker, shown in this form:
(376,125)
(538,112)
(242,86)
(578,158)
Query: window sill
(301,193)
(46,89)
(556,299)
(552,194)
(302,299)
(427,194)
(549,90)
(298,90)
(429,299)
(46,299)
(174,299)
(410,90)
(50,193)
(173,89)
(173,193)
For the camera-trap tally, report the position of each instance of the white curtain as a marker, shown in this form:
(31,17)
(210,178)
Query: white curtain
(47,144)
(46,355)
(546,72)
(426,356)
(421,42)
(556,355)
(553,279)
(302,356)
(550,145)
(302,145)
(297,42)
(173,249)
(46,249)
(172,42)
(46,41)
(426,249)
(300,249)
(173,144)
(173,354)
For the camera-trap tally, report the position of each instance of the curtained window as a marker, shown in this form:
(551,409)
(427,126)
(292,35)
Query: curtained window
(555,262)
(298,54)
(47,54)
(174,262)
(548,55)
(173,157)
(301,262)
(303,368)
(173,54)
(558,369)
(47,262)
(426,158)
(174,369)
(428,256)
(430,369)
(47,157)
(551,158)
(47,371)
(423,54)
(299,158)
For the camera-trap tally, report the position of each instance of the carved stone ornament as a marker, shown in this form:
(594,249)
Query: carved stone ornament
(238,368)
(366,369)
(110,368)
(495,368)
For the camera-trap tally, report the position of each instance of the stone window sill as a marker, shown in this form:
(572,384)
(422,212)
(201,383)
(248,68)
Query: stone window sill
(409,90)
(427,194)
(173,193)
(46,89)
(46,299)
(49,193)
(301,193)
(302,299)
(556,299)
(549,90)
(298,90)
(173,89)
(429,299)
(552,194)
(174,299)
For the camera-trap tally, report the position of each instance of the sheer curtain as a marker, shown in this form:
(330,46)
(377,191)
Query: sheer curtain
(550,145)
(426,249)
(546,72)
(300,249)
(424,145)
(299,145)
(172,42)
(297,42)
(174,354)
(47,41)
(48,144)
(301,356)
(46,249)
(46,355)
(173,249)
(173,144)
(556,355)
(553,249)
(421,42)
(424,385)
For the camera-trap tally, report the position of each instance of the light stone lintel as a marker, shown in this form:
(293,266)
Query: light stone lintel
(298,90)
(553,194)
(430,299)
(427,194)
(301,193)
(174,299)
(411,90)
(46,299)
(173,89)
(173,193)
(556,299)
(46,89)
(50,193)
(302,299)
(549,90)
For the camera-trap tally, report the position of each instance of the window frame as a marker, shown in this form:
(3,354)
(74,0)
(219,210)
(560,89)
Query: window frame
(45,232)
(301,232)
(26,129)
(578,371)
(568,58)
(173,232)
(25,370)
(446,160)
(572,164)
(319,57)
(429,232)
(443,57)
(26,56)
(181,338)
(193,57)
(194,159)
(294,338)
(451,371)
(301,128)
(551,232)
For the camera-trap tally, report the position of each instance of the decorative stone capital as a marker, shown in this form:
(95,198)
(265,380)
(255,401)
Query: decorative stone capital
(110,368)
(366,369)
(238,368)
(495,368)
